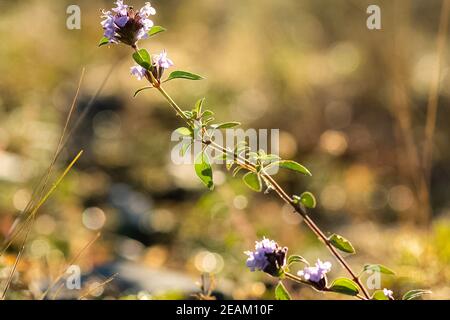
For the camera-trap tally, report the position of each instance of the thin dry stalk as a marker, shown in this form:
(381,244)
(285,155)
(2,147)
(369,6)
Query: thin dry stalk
(72,261)
(433,97)
(111,278)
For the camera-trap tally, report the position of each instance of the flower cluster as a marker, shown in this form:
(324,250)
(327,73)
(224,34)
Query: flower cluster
(267,257)
(160,62)
(123,24)
(316,273)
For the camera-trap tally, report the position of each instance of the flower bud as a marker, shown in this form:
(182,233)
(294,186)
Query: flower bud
(160,63)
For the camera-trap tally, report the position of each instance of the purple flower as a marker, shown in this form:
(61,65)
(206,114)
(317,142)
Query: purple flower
(123,24)
(267,257)
(388,293)
(138,72)
(316,273)
(147,10)
(121,8)
(109,26)
(121,21)
(162,61)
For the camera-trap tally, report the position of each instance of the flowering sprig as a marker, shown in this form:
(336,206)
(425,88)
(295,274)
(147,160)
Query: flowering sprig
(124,25)
(267,257)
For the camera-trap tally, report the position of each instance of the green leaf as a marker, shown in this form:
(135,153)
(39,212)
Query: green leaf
(198,106)
(253,181)
(141,89)
(226,125)
(281,292)
(188,114)
(379,295)
(103,41)
(183,75)
(307,199)
(341,243)
(269,157)
(184,131)
(155,30)
(207,113)
(184,148)
(142,58)
(292,165)
(344,286)
(414,294)
(296,259)
(378,268)
(204,170)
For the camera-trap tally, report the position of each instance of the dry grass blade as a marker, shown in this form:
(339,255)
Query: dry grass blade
(43,200)
(111,278)
(72,261)
(30,219)
(433,97)
(63,141)
(39,189)
(16,262)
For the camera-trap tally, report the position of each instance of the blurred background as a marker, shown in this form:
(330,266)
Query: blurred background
(350,103)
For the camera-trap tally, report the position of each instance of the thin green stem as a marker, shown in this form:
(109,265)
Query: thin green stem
(294,278)
(283,195)
(174,105)
(278,189)
(300,210)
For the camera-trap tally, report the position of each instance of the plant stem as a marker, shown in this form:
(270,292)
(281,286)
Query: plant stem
(278,189)
(294,278)
(174,105)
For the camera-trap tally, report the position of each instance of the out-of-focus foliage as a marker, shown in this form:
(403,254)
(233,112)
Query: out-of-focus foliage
(339,93)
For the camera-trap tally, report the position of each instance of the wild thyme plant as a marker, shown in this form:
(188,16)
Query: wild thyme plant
(125,25)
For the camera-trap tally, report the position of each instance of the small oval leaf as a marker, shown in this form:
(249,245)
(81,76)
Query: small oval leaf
(203,170)
(294,166)
(416,293)
(142,58)
(184,131)
(155,30)
(308,200)
(226,125)
(281,292)
(103,41)
(253,181)
(339,242)
(378,268)
(344,286)
(379,295)
(183,75)
(198,106)
(184,148)
(296,259)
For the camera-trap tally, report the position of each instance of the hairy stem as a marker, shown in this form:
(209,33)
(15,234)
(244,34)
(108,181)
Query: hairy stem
(281,193)
(278,189)
(294,278)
